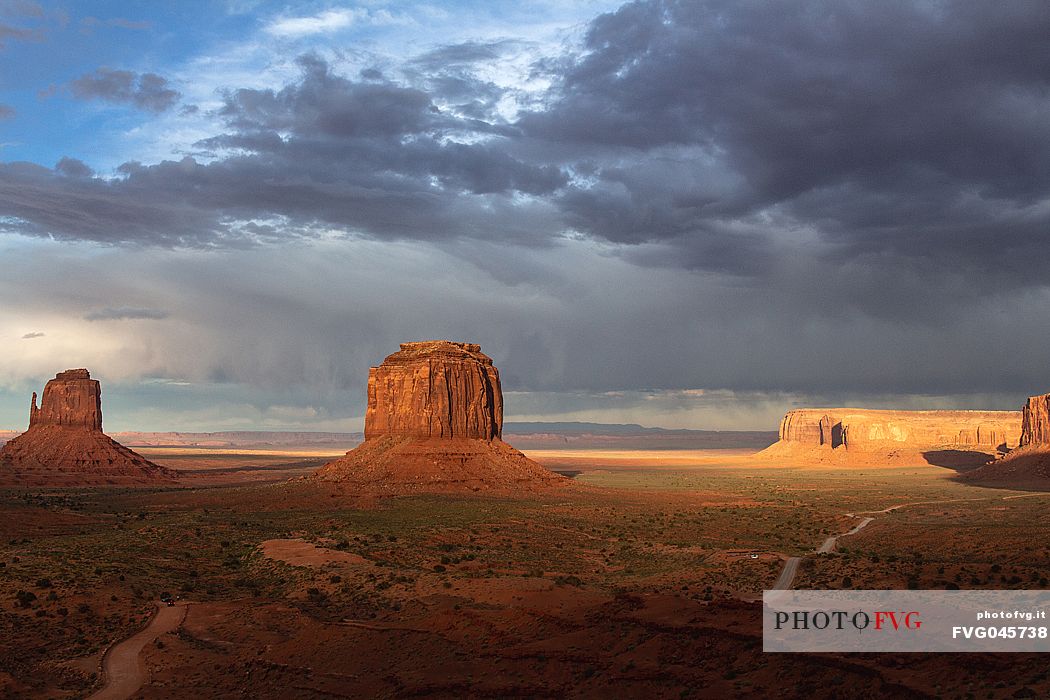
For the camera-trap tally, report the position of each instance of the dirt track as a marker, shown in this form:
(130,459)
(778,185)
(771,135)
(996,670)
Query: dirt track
(787,574)
(123,671)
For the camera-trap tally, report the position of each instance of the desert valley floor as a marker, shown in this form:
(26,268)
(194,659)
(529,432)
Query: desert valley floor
(639,580)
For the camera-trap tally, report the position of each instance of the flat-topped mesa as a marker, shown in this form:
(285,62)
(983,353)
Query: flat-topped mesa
(435,388)
(858,428)
(71,399)
(900,436)
(434,423)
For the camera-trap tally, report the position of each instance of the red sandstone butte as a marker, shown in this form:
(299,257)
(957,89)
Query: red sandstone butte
(65,445)
(434,423)
(1029,465)
(436,389)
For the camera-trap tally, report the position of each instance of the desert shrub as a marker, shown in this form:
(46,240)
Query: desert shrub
(25,598)
(570,581)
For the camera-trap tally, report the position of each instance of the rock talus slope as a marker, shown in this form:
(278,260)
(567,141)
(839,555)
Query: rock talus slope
(434,423)
(65,445)
(1029,464)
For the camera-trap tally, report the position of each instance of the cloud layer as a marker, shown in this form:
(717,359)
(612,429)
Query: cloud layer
(798,199)
(147,91)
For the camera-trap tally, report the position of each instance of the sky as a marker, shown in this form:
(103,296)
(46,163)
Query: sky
(680,214)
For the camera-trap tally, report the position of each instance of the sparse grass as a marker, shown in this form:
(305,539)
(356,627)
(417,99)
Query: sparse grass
(105,555)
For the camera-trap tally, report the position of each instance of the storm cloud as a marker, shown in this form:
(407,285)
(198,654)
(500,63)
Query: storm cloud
(719,129)
(834,200)
(147,91)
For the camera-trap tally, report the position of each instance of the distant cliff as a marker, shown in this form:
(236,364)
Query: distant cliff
(895,437)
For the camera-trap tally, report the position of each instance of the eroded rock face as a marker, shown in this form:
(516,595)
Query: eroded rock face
(1029,465)
(1035,421)
(435,388)
(855,428)
(434,424)
(72,399)
(894,436)
(65,445)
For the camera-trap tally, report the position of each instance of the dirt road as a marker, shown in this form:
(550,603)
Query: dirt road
(124,672)
(787,574)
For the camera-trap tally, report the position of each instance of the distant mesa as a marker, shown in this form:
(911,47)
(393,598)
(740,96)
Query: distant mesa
(65,445)
(861,437)
(434,423)
(1029,464)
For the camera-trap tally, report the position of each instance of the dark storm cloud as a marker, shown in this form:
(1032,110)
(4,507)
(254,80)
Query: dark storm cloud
(904,129)
(370,158)
(30,336)
(124,313)
(723,132)
(867,181)
(147,91)
(49,203)
(72,167)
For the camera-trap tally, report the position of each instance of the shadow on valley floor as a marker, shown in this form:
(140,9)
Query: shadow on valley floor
(959,460)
